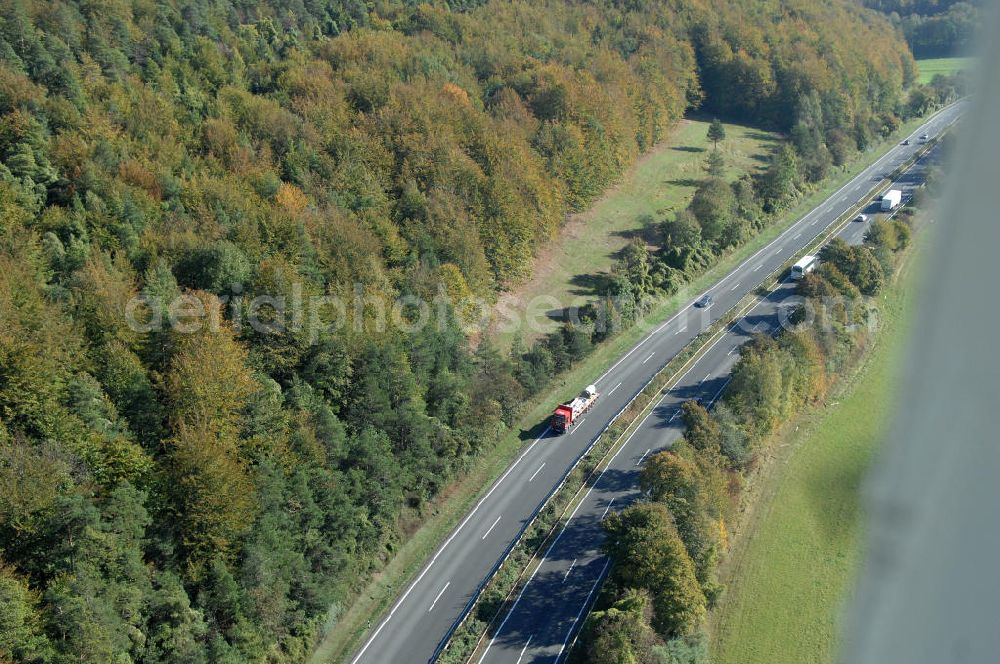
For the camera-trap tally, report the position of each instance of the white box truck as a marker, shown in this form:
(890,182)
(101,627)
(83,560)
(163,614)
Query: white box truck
(891,199)
(804,266)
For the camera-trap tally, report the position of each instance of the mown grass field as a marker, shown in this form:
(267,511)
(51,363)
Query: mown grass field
(792,567)
(660,183)
(932,66)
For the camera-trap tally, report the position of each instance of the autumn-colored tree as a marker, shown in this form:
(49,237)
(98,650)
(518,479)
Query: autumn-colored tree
(685,488)
(214,494)
(621,633)
(648,553)
(700,430)
(208,381)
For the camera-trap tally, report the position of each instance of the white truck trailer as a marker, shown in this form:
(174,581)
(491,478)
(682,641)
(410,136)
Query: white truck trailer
(804,266)
(891,199)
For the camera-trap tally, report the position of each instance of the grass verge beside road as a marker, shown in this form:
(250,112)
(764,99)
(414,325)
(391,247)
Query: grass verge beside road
(349,628)
(798,549)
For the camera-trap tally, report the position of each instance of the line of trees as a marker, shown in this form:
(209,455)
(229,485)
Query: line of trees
(208,497)
(665,549)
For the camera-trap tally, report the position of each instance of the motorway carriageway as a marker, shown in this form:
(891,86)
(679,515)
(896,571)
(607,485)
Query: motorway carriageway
(547,614)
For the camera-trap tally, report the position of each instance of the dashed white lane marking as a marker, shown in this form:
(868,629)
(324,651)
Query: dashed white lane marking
(733,350)
(580,424)
(535,474)
(614,388)
(493,526)
(706,378)
(674,416)
(438,596)
(758,267)
(649,358)
(797,236)
(607,509)
(571,566)
(521,656)
(643,457)
(735,286)
(681,329)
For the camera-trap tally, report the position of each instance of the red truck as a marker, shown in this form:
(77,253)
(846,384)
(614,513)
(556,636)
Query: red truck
(567,414)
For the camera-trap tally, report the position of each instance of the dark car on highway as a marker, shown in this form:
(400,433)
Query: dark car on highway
(704,301)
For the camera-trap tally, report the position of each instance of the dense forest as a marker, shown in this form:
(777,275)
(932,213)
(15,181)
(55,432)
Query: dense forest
(218,492)
(934,28)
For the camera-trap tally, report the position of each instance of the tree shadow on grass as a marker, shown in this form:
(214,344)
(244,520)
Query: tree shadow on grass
(647,232)
(685,182)
(687,148)
(761,136)
(591,283)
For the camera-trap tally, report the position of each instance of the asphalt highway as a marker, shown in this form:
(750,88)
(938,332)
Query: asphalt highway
(547,614)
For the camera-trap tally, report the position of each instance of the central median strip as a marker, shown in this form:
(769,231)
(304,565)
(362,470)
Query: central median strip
(517,568)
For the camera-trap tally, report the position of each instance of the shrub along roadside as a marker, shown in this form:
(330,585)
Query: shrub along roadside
(774,378)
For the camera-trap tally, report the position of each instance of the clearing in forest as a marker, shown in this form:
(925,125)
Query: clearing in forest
(946,66)
(660,183)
